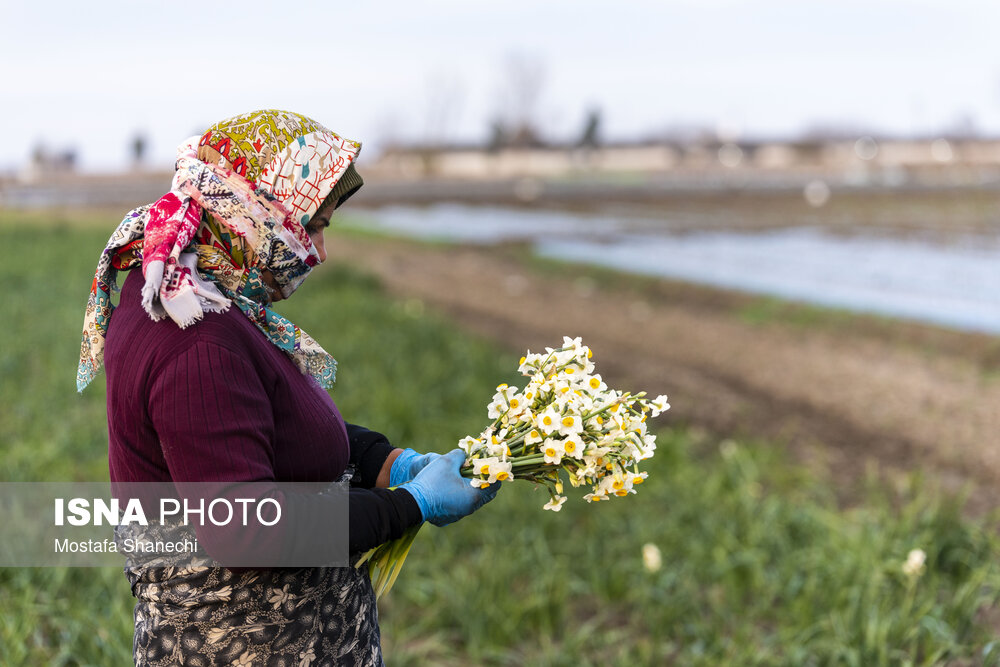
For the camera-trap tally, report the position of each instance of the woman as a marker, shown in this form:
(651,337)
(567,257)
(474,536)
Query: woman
(201,391)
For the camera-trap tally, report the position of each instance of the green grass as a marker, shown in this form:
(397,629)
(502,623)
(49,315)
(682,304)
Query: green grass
(760,565)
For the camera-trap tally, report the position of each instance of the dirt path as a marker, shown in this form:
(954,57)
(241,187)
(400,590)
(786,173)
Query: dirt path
(902,395)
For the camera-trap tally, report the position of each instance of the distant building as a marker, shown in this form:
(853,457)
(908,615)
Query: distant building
(850,159)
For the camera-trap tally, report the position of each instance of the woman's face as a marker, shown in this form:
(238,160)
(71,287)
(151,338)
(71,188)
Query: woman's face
(315,227)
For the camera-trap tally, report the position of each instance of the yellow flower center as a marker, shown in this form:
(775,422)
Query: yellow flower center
(502,475)
(618,484)
(514,402)
(547,420)
(594,383)
(567,421)
(590,353)
(523,359)
(570,371)
(485,470)
(570,446)
(550,451)
(600,419)
(621,493)
(637,480)
(534,434)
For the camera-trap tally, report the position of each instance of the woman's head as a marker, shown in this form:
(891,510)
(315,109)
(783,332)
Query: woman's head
(308,168)
(291,156)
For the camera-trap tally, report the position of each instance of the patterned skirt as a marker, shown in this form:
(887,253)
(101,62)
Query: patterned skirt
(305,617)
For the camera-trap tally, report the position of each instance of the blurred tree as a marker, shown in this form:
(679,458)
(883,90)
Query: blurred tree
(591,130)
(521,84)
(445,92)
(138,148)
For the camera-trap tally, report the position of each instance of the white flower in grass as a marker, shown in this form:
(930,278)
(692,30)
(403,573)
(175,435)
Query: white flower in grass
(658,405)
(914,565)
(555,504)
(548,421)
(553,451)
(651,557)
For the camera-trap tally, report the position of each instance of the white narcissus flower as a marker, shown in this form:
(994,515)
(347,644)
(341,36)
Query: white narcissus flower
(555,504)
(548,420)
(500,472)
(530,363)
(636,479)
(570,424)
(518,404)
(478,483)
(534,436)
(575,343)
(573,446)
(658,405)
(484,466)
(468,444)
(552,450)
(496,409)
(595,383)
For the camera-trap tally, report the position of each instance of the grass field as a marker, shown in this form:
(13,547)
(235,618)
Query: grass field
(760,564)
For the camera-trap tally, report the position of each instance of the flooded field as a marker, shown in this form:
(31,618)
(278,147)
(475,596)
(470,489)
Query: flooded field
(894,270)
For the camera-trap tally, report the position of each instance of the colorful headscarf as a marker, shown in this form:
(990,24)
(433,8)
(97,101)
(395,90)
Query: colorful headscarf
(241,197)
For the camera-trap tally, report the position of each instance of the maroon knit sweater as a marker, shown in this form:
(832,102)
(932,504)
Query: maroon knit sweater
(217,401)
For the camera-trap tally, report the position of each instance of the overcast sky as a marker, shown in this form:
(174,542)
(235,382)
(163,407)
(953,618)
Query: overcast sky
(90,75)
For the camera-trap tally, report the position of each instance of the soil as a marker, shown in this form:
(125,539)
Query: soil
(842,392)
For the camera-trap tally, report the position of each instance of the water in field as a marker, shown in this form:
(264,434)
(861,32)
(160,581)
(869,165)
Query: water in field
(955,284)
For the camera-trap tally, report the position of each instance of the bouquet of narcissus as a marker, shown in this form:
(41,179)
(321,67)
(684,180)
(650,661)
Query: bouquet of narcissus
(566,419)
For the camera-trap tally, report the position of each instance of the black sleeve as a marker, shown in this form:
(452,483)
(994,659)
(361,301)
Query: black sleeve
(380,515)
(369,450)
(377,516)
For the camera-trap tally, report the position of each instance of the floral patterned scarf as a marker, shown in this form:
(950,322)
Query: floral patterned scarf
(238,205)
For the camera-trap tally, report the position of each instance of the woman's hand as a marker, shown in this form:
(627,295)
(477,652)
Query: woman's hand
(407,465)
(443,495)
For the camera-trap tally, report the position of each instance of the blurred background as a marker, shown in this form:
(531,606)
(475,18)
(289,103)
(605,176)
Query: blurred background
(783,215)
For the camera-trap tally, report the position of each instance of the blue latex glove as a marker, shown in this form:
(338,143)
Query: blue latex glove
(407,465)
(443,495)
